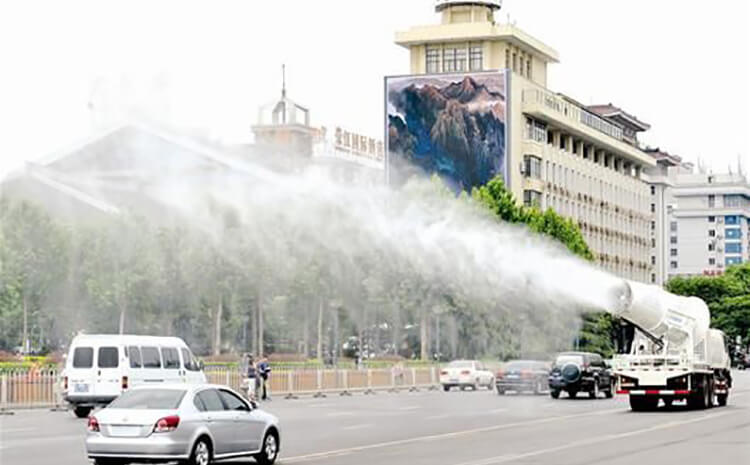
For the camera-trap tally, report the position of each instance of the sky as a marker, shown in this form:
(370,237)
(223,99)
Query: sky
(681,65)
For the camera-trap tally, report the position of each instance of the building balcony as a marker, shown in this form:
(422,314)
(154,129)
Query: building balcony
(560,112)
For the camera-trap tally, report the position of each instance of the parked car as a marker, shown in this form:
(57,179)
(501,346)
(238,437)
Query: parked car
(466,373)
(193,424)
(523,376)
(575,372)
(100,367)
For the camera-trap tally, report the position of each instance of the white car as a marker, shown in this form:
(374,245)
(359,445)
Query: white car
(466,373)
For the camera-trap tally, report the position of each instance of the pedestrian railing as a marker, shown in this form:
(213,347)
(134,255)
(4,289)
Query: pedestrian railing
(44,388)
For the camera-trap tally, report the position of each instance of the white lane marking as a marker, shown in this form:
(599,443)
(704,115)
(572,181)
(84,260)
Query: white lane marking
(321,455)
(588,442)
(440,417)
(339,414)
(17,430)
(360,426)
(23,442)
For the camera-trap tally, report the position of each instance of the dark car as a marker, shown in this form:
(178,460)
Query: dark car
(575,372)
(522,376)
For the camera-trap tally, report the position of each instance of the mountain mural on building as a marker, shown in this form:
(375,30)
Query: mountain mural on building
(452,125)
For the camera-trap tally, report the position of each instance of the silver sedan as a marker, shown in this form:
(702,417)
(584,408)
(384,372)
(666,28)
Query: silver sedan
(197,424)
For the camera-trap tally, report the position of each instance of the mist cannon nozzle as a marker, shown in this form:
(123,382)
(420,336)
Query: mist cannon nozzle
(622,298)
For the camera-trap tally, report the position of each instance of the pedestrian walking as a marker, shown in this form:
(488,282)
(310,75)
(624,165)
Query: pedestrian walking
(252,380)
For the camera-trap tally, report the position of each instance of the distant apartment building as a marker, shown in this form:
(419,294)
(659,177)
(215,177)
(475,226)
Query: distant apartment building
(700,225)
(582,161)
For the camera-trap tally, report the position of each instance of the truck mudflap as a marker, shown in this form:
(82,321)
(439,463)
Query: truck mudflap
(654,392)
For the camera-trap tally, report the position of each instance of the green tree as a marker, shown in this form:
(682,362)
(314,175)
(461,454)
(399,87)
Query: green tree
(727,296)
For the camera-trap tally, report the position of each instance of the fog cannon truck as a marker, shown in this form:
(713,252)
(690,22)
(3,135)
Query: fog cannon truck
(674,354)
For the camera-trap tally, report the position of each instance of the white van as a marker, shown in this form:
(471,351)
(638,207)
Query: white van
(100,367)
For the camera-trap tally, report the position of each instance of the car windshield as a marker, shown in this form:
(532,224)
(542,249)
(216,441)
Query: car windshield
(565,359)
(460,365)
(149,399)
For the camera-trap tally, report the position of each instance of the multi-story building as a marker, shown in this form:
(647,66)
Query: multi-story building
(701,220)
(584,162)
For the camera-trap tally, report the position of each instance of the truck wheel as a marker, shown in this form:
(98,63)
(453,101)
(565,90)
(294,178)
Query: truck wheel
(722,399)
(554,393)
(82,412)
(697,400)
(610,392)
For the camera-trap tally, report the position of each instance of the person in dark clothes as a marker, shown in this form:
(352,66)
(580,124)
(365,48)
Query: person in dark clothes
(264,370)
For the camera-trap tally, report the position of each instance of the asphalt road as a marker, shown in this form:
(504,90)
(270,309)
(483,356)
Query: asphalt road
(457,428)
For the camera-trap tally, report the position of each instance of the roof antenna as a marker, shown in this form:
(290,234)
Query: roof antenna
(283,81)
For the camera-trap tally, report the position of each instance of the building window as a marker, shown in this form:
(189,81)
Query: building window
(653,225)
(653,278)
(733,201)
(507,59)
(532,167)
(515,62)
(475,56)
(733,247)
(711,247)
(673,253)
(528,68)
(733,261)
(562,141)
(653,259)
(433,60)
(673,240)
(732,219)
(653,242)
(711,201)
(653,208)
(653,190)
(536,130)
(532,198)
(712,261)
(673,226)
(711,233)
(673,265)
(712,219)
(521,67)
(733,233)
(454,59)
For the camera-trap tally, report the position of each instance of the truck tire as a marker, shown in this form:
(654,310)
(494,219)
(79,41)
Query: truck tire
(643,403)
(82,412)
(722,399)
(610,392)
(699,400)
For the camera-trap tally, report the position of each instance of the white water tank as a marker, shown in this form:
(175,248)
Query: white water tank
(662,314)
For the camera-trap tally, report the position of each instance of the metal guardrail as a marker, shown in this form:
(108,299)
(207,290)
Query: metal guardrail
(44,389)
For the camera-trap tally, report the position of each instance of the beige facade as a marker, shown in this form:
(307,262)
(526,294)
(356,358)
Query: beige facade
(584,162)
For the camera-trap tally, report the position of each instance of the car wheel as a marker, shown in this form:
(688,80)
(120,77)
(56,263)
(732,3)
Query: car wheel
(500,391)
(491,385)
(446,388)
(610,393)
(572,393)
(722,399)
(595,392)
(82,412)
(555,394)
(201,454)
(270,450)
(538,388)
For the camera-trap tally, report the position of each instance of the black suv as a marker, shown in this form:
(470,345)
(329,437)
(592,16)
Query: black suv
(574,372)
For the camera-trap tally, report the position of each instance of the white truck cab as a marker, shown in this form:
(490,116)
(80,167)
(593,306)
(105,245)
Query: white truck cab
(99,368)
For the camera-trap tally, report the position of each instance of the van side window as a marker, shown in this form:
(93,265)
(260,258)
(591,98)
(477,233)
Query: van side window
(108,357)
(151,357)
(171,358)
(135,357)
(189,360)
(83,357)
